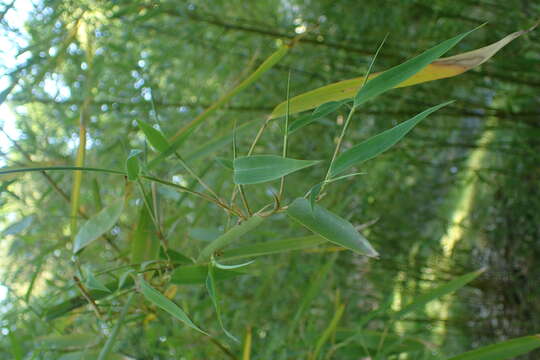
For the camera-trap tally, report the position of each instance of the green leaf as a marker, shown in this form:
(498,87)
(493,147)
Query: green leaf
(67,342)
(93,283)
(398,74)
(98,225)
(75,302)
(378,144)
(262,168)
(158,299)
(231,235)
(313,193)
(111,339)
(89,355)
(216,300)
(196,274)
(330,226)
(226,163)
(370,339)
(154,136)
(19,226)
(504,350)
(319,112)
(132,165)
(144,241)
(272,247)
(439,291)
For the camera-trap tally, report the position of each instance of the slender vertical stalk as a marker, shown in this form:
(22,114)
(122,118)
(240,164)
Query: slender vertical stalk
(112,338)
(285,134)
(351,112)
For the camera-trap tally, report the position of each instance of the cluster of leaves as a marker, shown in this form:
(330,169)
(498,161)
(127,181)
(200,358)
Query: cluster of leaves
(156,258)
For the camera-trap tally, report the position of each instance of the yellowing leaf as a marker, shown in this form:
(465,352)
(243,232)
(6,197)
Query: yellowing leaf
(438,69)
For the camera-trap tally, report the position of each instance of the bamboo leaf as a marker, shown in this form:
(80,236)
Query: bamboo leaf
(98,225)
(75,302)
(216,300)
(330,329)
(262,168)
(67,342)
(313,194)
(330,226)
(398,74)
(144,241)
(158,299)
(226,163)
(319,112)
(132,165)
(233,234)
(111,339)
(438,69)
(197,274)
(378,144)
(89,355)
(154,136)
(438,292)
(93,283)
(272,247)
(503,350)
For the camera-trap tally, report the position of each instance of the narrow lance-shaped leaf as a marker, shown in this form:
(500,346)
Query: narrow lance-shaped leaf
(378,144)
(231,235)
(262,168)
(438,69)
(216,300)
(319,112)
(93,283)
(505,350)
(98,225)
(330,226)
(272,247)
(132,165)
(158,299)
(197,274)
(400,73)
(154,136)
(144,241)
(438,292)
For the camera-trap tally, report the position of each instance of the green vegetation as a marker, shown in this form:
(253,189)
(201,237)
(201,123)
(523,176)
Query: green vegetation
(270,180)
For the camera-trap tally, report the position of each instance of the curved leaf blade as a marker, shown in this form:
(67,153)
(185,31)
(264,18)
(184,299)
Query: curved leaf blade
(133,168)
(319,112)
(379,143)
(154,136)
(216,300)
(197,274)
(98,225)
(438,69)
(438,292)
(330,226)
(262,168)
(400,73)
(272,247)
(231,235)
(158,299)
(503,350)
